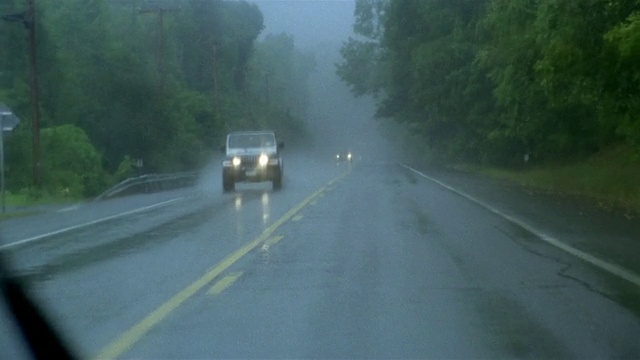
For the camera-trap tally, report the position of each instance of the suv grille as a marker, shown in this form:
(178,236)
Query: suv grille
(249,159)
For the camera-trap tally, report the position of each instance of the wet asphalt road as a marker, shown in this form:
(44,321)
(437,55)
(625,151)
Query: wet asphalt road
(361,260)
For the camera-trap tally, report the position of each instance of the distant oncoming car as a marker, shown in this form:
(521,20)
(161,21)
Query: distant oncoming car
(344,156)
(252,156)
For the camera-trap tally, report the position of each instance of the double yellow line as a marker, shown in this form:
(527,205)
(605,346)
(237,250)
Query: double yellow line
(126,340)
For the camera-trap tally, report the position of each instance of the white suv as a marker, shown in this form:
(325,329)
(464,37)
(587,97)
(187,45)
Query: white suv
(252,156)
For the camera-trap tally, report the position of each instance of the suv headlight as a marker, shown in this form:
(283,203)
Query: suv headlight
(236,161)
(263,160)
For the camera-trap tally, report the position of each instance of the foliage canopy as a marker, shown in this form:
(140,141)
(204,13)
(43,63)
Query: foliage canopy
(492,80)
(161,81)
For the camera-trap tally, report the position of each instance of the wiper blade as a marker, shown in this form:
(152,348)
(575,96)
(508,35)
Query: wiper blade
(40,337)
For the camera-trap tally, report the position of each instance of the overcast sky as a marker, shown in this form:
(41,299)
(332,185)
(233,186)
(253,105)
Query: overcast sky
(311,22)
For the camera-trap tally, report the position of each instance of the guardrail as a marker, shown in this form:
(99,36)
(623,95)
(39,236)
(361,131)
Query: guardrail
(150,183)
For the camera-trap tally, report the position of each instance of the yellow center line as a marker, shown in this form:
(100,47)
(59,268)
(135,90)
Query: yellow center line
(297,218)
(273,240)
(126,340)
(224,283)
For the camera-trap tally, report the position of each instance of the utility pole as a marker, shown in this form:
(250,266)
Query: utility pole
(267,88)
(28,19)
(30,22)
(216,97)
(160,11)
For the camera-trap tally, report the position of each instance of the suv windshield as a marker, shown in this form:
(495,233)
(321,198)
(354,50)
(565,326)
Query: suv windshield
(251,140)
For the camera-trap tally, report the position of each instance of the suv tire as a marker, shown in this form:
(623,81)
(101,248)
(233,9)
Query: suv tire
(228,184)
(277,181)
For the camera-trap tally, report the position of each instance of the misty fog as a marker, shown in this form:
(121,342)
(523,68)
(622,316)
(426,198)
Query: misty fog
(336,119)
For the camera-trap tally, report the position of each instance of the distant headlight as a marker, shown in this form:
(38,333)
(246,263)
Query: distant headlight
(236,161)
(349,156)
(263,160)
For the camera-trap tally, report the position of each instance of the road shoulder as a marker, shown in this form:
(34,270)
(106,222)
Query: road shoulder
(608,234)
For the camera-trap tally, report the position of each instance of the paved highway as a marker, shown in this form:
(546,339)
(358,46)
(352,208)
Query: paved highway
(373,259)
(363,260)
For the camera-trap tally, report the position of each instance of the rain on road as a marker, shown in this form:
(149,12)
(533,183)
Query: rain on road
(350,260)
(367,259)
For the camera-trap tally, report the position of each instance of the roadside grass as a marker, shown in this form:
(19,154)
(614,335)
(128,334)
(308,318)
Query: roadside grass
(23,204)
(17,214)
(611,178)
(25,200)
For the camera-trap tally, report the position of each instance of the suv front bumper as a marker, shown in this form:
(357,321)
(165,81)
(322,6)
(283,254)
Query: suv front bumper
(251,173)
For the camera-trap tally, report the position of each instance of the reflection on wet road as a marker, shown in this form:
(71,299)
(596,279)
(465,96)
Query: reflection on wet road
(240,211)
(265,208)
(361,260)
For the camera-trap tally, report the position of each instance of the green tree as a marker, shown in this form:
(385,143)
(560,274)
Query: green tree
(71,165)
(623,81)
(99,69)
(493,80)
(430,77)
(362,68)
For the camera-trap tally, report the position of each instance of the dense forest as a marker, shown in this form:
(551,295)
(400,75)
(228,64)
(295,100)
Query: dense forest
(128,80)
(493,81)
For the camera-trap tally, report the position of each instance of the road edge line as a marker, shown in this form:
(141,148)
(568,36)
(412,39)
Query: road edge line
(80,226)
(584,256)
